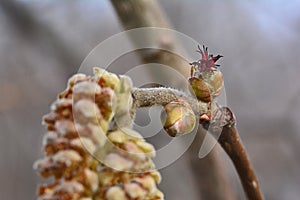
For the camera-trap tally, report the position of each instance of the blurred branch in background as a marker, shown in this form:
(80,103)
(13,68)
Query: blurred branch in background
(31,29)
(137,14)
(209,173)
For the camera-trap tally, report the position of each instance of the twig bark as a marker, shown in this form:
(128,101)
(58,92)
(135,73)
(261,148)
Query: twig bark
(223,120)
(146,97)
(231,143)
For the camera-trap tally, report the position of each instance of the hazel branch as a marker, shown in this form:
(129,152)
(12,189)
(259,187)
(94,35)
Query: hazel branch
(133,14)
(146,97)
(232,145)
(223,120)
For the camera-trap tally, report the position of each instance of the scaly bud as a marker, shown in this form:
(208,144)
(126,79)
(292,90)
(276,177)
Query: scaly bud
(206,80)
(180,118)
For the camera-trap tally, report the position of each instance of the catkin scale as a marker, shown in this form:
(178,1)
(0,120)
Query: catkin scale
(87,158)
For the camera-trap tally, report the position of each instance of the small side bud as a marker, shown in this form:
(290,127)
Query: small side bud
(180,118)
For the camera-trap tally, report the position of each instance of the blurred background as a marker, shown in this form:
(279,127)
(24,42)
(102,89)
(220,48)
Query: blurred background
(42,43)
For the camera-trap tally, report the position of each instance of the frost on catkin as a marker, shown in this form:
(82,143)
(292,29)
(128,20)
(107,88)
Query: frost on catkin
(91,152)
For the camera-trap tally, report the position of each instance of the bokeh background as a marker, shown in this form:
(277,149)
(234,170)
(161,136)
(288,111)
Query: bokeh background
(43,42)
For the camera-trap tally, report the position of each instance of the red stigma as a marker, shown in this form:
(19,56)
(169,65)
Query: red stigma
(208,62)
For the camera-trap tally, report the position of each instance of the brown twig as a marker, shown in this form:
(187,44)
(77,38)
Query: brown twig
(231,143)
(223,120)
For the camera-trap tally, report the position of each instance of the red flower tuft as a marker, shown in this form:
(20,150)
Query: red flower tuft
(208,62)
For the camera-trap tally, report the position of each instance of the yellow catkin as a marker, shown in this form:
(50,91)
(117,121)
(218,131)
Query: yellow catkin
(90,148)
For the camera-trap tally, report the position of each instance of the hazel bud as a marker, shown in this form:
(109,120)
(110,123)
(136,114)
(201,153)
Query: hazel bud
(206,80)
(207,87)
(180,118)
